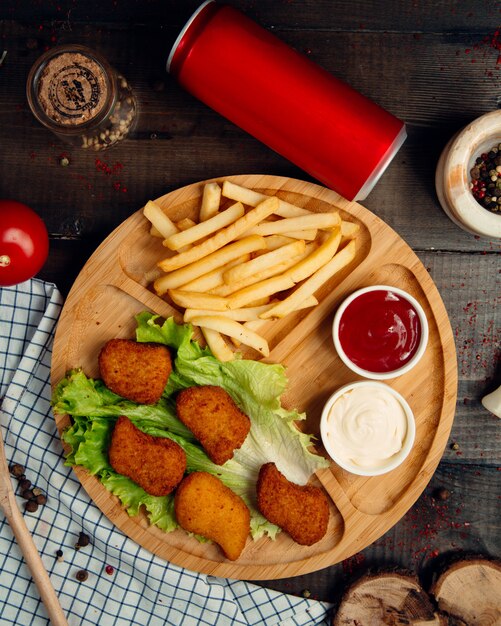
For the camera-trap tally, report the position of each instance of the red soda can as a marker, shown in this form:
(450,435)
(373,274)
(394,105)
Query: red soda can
(278,95)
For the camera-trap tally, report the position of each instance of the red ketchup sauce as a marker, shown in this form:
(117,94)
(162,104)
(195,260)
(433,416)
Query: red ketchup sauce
(380,331)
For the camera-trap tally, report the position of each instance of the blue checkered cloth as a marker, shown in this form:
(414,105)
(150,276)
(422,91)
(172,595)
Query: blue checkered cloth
(141,589)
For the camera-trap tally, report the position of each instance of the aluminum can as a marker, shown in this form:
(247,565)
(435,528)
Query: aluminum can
(278,95)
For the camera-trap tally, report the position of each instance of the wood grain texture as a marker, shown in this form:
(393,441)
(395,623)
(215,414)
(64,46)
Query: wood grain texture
(113,286)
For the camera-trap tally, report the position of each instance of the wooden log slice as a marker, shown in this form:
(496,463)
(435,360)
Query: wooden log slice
(469,592)
(390,599)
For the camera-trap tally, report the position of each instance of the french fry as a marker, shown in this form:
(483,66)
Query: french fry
(218,345)
(154,232)
(258,290)
(268,272)
(253,198)
(276,241)
(164,225)
(319,257)
(223,237)
(211,199)
(246,314)
(259,302)
(185,223)
(291,224)
(231,328)
(309,234)
(349,229)
(254,325)
(214,278)
(314,282)
(197,300)
(285,209)
(220,257)
(254,266)
(257,324)
(205,229)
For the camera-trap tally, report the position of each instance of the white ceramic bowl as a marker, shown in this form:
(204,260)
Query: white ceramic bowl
(393,373)
(452,177)
(384,465)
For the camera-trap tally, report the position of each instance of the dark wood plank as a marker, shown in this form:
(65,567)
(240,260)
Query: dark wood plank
(425,15)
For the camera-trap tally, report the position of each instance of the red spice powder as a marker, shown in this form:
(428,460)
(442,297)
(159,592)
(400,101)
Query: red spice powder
(353,563)
(111,170)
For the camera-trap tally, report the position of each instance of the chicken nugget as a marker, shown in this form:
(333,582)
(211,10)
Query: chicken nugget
(156,464)
(215,420)
(205,506)
(302,511)
(136,371)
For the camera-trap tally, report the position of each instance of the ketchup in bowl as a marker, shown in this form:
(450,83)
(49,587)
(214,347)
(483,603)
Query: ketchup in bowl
(380,332)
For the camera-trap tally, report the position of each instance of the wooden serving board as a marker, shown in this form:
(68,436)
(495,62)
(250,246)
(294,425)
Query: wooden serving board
(114,285)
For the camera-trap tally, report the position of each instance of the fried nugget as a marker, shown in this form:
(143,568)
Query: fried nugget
(136,371)
(156,464)
(215,420)
(302,511)
(205,506)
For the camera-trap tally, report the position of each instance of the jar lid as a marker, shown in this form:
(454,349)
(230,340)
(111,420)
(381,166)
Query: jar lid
(71,88)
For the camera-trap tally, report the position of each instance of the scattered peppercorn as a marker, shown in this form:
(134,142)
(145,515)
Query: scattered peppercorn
(27,494)
(82,575)
(83,540)
(31,506)
(59,554)
(109,570)
(306,593)
(24,484)
(17,470)
(34,495)
(454,446)
(64,161)
(486,179)
(441,494)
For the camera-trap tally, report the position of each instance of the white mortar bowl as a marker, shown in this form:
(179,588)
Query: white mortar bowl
(452,177)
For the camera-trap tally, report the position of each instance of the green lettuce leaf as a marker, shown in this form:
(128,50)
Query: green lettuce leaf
(256,388)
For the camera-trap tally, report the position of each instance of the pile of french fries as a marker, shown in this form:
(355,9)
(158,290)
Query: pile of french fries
(259,259)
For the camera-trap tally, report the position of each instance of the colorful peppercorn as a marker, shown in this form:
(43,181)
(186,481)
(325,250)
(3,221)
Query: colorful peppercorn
(17,470)
(29,492)
(31,506)
(486,179)
(82,575)
(83,540)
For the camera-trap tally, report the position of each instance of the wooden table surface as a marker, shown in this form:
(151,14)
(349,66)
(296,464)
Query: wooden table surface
(435,64)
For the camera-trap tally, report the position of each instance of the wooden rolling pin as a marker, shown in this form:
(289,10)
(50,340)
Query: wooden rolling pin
(25,541)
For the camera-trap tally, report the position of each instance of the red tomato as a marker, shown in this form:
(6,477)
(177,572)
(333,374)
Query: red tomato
(24,243)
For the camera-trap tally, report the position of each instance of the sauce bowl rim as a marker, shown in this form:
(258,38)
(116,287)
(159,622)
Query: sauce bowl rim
(398,458)
(423,342)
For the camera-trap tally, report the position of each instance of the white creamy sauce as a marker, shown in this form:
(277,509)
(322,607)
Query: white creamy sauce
(366,426)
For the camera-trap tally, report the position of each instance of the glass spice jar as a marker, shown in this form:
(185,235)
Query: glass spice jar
(75,93)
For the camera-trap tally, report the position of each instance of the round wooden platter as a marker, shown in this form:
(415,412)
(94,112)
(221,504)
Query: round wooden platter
(114,285)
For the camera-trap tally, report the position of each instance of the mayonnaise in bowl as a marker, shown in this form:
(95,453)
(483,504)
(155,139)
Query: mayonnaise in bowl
(367,428)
